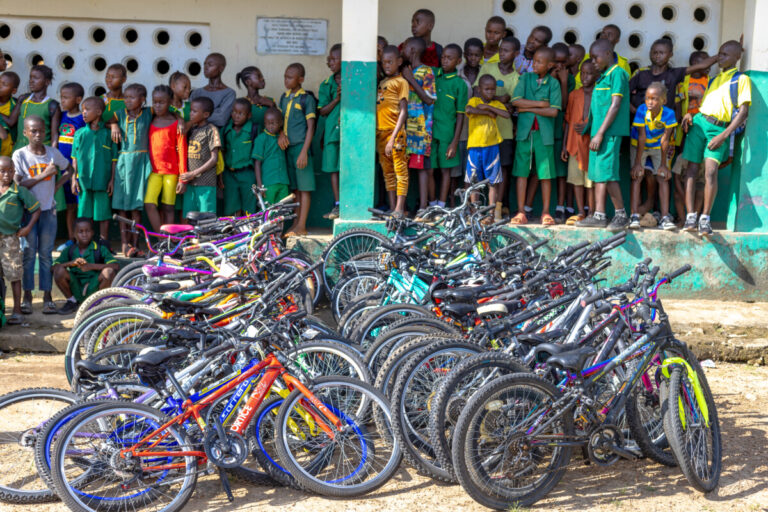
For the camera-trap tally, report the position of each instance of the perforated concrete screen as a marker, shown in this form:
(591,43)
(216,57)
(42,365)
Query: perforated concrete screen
(690,24)
(80,50)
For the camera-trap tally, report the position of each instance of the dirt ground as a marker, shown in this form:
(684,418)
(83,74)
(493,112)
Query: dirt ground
(741,392)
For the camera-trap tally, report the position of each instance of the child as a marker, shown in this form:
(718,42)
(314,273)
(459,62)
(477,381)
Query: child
(14,201)
(37,166)
(113,99)
(299,110)
(198,183)
(223,97)
(484,138)
(495,30)
(37,103)
(575,145)
(609,122)
(391,115)
(329,107)
(84,267)
(71,121)
(251,77)
(539,36)
(473,55)
(448,119)
(422,24)
(270,168)
(566,80)
(130,127)
(381,43)
(9,83)
(506,82)
(237,140)
(168,156)
(655,123)
(94,156)
(537,98)
(612,34)
(181,87)
(576,54)
(709,130)
(418,129)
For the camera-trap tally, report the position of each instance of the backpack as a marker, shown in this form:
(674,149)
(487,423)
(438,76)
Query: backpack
(98,259)
(734,88)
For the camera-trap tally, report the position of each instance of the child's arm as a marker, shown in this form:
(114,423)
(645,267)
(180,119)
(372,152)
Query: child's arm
(328,107)
(420,92)
(701,66)
(24,231)
(223,110)
(564,152)
(544,112)
(64,177)
(524,103)
(663,171)
(257,170)
(637,165)
(98,267)
(398,127)
(12,118)
(74,186)
(737,121)
(31,181)
(111,184)
(301,161)
(613,111)
(500,112)
(453,146)
(55,122)
(3,132)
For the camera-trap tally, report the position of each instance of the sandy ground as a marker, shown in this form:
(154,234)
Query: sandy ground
(743,410)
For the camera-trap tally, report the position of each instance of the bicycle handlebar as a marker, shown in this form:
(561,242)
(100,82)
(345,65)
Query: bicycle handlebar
(677,273)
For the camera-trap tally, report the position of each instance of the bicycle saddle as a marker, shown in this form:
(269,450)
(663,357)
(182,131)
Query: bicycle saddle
(153,357)
(459,309)
(161,287)
(92,369)
(573,359)
(463,294)
(176,228)
(537,339)
(195,217)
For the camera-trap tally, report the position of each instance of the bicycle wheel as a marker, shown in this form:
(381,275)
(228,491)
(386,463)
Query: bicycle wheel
(342,248)
(350,287)
(90,474)
(499,237)
(100,297)
(359,456)
(22,415)
(327,359)
(356,310)
(376,321)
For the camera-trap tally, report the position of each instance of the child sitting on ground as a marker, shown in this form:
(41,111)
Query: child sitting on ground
(269,157)
(85,267)
(198,183)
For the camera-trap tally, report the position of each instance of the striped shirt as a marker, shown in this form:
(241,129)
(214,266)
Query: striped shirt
(654,126)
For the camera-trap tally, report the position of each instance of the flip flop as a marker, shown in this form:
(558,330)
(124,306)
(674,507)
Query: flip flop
(49,308)
(14,319)
(519,220)
(573,219)
(26,308)
(547,220)
(131,253)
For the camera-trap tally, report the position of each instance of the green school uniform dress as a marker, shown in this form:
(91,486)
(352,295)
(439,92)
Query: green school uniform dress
(604,163)
(274,171)
(34,108)
(84,283)
(239,177)
(133,164)
(536,134)
(451,101)
(111,107)
(332,132)
(183,111)
(297,108)
(257,114)
(94,152)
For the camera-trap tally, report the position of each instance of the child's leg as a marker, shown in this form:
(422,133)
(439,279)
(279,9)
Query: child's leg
(663,195)
(578,194)
(522,184)
(167,210)
(615,192)
(710,188)
(104,229)
(569,196)
(591,199)
(650,189)
(424,178)
(400,169)
(305,199)
(335,185)
(46,242)
(493,193)
(600,193)
(392,199)
(106,276)
(634,198)
(153,215)
(546,193)
(679,195)
(29,257)
(61,277)
(431,185)
(125,242)
(445,184)
(561,187)
(531,188)
(690,186)
(134,237)
(16,290)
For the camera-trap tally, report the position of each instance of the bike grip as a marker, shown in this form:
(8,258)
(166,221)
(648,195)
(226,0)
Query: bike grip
(578,247)
(612,239)
(486,209)
(122,219)
(539,244)
(499,223)
(376,212)
(218,349)
(536,280)
(287,199)
(589,299)
(422,238)
(677,273)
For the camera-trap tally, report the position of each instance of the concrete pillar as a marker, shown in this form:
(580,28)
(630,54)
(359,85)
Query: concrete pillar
(359,29)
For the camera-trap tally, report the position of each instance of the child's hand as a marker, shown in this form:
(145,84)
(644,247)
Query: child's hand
(505,98)
(220,181)
(686,123)
(283,141)
(664,173)
(3,133)
(301,162)
(451,151)
(637,172)
(79,262)
(579,127)
(596,142)
(50,170)
(543,104)
(110,187)
(187,177)
(407,73)
(564,155)
(116,137)
(181,187)
(75,187)
(716,142)
(23,232)
(389,148)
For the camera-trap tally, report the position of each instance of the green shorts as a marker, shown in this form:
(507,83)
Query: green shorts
(199,199)
(561,168)
(238,191)
(276,192)
(331,157)
(439,161)
(94,204)
(82,284)
(604,164)
(699,135)
(530,150)
(301,179)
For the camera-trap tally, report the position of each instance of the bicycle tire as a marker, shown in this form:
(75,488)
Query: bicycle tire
(355,310)
(104,296)
(119,279)
(342,248)
(376,321)
(329,365)
(500,237)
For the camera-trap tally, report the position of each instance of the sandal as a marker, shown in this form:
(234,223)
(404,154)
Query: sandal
(573,219)
(547,220)
(26,308)
(14,319)
(49,308)
(131,253)
(295,233)
(519,220)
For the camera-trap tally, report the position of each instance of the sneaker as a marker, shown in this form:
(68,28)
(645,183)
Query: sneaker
(619,223)
(690,223)
(560,216)
(667,223)
(333,214)
(68,308)
(592,222)
(705,228)
(634,221)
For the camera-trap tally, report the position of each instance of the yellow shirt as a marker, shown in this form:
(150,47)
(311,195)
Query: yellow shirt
(623,63)
(6,147)
(483,130)
(493,58)
(717,100)
(391,92)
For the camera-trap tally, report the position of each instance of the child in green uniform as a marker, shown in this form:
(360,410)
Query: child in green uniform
(83,267)
(561,74)
(131,129)
(253,80)
(36,103)
(329,106)
(114,99)
(271,170)
(9,82)
(537,99)
(94,157)
(198,183)
(608,123)
(181,87)
(299,111)
(237,144)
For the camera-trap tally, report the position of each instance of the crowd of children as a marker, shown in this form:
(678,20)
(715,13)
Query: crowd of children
(525,117)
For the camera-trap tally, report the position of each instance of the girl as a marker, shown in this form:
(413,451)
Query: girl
(251,77)
(37,103)
(114,100)
(168,155)
(131,129)
(181,88)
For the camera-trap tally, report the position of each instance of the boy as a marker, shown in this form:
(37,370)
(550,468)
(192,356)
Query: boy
(299,111)
(506,82)
(561,74)
(448,119)
(495,30)
(537,99)
(575,145)
(14,201)
(484,138)
(654,123)
(94,157)
(329,106)
(37,167)
(9,83)
(223,97)
(418,130)
(113,99)
(612,34)
(391,115)
(270,168)
(539,36)
(71,95)
(576,54)
(83,268)
(608,123)
(237,145)
(709,131)
(422,24)
(198,184)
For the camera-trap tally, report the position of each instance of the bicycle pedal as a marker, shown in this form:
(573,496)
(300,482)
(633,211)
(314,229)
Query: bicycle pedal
(225,485)
(621,452)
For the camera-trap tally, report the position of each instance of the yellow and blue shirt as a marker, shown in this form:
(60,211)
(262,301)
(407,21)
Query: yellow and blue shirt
(717,100)
(654,126)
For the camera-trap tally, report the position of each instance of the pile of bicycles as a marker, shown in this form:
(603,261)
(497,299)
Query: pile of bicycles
(459,346)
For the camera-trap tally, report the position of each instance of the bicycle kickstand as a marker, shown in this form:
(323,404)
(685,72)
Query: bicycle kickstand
(225,484)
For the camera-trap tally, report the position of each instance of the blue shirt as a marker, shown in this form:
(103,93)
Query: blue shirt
(67,128)
(654,126)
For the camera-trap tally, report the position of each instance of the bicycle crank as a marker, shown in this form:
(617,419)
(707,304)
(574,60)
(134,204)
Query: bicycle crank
(228,453)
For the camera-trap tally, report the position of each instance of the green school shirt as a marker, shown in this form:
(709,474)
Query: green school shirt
(94,152)
(183,111)
(89,255)
(295,115)
(333,120)
(12,205)
(451,101)
(505,84)
(530,88)
(33,108)
(272,158)
(237,146)
(257,114)
(111,105)
(613,82)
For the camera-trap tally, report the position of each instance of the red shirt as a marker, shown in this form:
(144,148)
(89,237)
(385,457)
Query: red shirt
(431,55)
(167,150)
